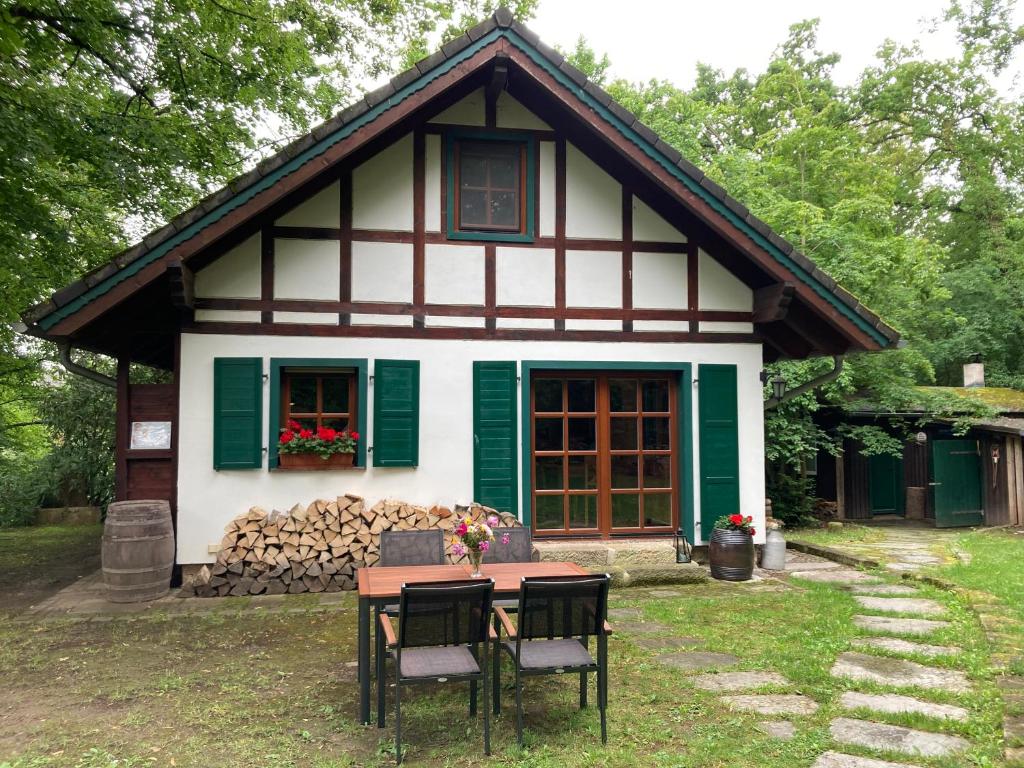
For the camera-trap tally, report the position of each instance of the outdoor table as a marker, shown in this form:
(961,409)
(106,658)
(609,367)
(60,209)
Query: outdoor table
(381,586)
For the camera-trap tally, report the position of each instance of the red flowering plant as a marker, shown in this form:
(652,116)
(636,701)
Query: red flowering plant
(324,441)
(736,523)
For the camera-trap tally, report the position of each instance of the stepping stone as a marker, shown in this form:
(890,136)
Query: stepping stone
(625,613)
(839,576)
(641,627)
(778,729)
(918,605)
(773,704)
(1013,729)
(900,626)
(902,567)
(884,589)
(894,704)
(896,645)
(698,659)
(663,593)
(738,681)
(658,643)
(839,760)
(898,672)
(895,738)
(814,565)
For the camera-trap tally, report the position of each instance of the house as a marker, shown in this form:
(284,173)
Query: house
(511,288)
(943,475)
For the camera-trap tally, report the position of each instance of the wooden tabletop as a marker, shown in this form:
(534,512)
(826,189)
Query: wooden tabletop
(377,582)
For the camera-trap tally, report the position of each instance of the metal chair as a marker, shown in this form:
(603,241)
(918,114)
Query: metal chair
(444,635)
(556,619)
(518,550)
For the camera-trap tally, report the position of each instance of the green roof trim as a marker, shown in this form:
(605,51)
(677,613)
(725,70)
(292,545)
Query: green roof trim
(446,64)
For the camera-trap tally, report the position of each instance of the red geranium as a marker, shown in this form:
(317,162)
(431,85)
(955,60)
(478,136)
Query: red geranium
(326,433)
(354,435)
(286,437)
(305,434)
(737,519)
(294,425)
(736,522)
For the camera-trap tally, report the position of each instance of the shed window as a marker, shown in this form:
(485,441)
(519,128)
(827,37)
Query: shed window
(319,398)
(490,186)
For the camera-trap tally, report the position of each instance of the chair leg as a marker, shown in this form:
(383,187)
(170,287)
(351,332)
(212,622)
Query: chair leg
(398,717)
(519,708)
(496,673)
(583,690)
(382,685)
(472,698)
(487,710)
(602,694)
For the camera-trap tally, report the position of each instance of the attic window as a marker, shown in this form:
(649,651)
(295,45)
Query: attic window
(490,183)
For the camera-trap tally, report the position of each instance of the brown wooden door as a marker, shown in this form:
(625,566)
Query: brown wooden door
(603,453)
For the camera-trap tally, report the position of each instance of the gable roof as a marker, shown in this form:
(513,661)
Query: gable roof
(499,35)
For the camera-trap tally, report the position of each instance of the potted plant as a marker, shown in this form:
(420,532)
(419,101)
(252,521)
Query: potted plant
(473,538)
(731,551)
(325,448)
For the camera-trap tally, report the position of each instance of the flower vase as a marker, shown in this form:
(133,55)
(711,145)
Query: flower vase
(475,558)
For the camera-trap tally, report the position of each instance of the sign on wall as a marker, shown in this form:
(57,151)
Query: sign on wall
(150,435)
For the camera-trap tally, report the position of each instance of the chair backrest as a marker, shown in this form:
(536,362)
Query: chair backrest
(444,613)
(518,550)
(562,606)
(412,547)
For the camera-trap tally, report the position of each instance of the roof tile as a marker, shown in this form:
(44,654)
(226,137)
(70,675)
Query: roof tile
(598,93)
(783,245)
(39,311)
(479,30)
(713,187)
(428,63)
(673,154)
(380,95)
(503,17)
(69,293)
(403,79)
(99,275)
(690,169)
(645,133)
(621,112)
(460,43)
(574,74)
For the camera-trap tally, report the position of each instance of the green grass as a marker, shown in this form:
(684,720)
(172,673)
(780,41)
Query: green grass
(37,561)
(850,533)
(245,687)
(996,566)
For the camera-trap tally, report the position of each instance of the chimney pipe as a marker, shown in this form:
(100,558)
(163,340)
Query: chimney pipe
(974,372)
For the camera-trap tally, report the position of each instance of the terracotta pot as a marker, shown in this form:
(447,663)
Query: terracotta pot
(312,461)
(731,554)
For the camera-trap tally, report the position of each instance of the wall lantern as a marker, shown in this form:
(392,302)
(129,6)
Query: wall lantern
(778,387)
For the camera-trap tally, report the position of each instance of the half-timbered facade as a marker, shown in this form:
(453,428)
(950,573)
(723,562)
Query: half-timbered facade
(511,288)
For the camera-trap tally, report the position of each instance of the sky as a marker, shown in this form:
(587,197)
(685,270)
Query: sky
(662,39)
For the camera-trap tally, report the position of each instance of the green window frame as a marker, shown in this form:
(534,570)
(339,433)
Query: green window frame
(527,201)
(278,365)
(684,406)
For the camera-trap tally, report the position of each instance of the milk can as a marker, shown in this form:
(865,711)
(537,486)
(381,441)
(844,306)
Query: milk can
(773,557)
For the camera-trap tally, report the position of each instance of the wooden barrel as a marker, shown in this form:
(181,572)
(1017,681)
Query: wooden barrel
(138,550)
(731,555)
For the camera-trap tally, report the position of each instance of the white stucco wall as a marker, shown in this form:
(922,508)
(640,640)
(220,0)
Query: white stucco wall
(593,278)
(321,210)
(381,271)
(454,274)
(432,183)
(509,113)
(546,188)
(593,199)
(307,269)
(469,111)
(382,189)
(648,225)
(208,499)
(659,280)
(235,275)
(525,276)
(718,288)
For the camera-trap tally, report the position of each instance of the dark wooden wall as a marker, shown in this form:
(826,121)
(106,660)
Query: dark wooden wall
(994,480)
(915,471)
(145,474)
(856,482)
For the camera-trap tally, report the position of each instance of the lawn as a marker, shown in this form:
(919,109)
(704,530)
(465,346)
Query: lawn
(250,685)
(36,562)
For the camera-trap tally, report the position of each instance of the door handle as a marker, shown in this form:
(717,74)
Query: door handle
(934,484)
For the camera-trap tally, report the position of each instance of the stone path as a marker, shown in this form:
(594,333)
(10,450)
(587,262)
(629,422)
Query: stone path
(890,613)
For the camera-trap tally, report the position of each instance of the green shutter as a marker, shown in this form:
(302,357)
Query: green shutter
(237,413)
(396,413)
(719,445)
(494,435)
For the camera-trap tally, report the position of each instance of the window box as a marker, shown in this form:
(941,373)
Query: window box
(310,461)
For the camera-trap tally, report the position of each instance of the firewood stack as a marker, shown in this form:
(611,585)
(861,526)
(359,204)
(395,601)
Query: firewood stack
(318,548)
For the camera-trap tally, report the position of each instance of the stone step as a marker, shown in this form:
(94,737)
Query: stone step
(896,626)
(773,704)
(896,645)
(895,704)
(840,576)
(895,738)
(898,672)
(839,760)
(694,660)
(885,589)
(738,681)
(915,605)
(783,730)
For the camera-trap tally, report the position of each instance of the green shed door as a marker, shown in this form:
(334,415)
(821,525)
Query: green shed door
(885,475)
(956,483)
(238,413)
(719,445)
(494,435)
(396,413)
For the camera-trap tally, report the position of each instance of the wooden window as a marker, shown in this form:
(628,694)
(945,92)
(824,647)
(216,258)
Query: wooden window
(604,453)
(319,398)
(490,177)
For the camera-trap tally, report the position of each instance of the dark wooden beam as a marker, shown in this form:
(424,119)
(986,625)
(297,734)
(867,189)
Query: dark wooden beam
(771,303)
(497,84)
(181,281)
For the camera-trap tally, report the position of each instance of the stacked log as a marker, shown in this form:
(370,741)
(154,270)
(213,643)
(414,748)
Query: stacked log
(318,547)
